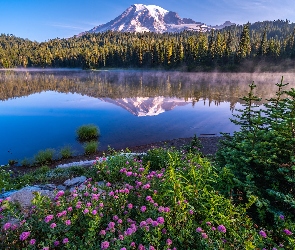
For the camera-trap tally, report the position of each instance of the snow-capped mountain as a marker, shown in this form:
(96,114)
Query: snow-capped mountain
(148,106)
(140,18)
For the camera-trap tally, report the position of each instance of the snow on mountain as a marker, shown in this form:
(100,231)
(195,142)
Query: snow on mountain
(147,106)
(151,18)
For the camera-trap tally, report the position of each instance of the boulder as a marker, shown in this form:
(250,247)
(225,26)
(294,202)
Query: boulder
(75,181)
(25,195)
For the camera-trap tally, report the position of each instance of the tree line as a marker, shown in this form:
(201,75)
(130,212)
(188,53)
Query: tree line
(268,41)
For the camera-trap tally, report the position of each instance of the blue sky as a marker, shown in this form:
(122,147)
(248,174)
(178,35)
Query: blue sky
(41,20)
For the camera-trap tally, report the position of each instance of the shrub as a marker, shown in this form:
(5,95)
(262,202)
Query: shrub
(12,162)
(261,155)
(90,147)
(88,132)
(66,152)
(44,156)
(26,162)
(157,158)
(194,146)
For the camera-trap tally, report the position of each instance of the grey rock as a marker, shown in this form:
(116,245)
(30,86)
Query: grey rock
(25,195)
(77,163)
(101,183)
(61,187)
(48,186)
(75,181)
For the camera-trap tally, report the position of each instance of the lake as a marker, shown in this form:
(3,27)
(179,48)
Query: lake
(42,109)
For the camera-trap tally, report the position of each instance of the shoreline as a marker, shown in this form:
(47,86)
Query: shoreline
(209,143)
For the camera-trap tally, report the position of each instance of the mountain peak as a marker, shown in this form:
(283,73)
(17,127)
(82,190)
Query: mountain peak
(150,18)
(153,9)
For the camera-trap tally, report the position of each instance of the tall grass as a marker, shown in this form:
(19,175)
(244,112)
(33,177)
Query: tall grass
(44,156)
(88,132)
(66,152)
(90,147)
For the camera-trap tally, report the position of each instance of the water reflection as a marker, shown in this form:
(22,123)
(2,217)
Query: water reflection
(40,110)
(216,87)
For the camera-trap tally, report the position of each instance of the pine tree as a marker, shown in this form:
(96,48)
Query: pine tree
(245,43)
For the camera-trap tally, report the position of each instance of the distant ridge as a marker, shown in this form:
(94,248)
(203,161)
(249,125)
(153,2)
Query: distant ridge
(152,18)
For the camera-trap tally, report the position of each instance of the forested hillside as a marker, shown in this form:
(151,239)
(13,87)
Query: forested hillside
(271,42)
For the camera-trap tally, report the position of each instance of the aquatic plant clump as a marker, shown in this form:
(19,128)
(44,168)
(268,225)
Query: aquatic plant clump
(44,156)
(66,152)
(88,132)
(90,147)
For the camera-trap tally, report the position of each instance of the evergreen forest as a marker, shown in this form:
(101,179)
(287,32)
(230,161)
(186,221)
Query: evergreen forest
(267,44)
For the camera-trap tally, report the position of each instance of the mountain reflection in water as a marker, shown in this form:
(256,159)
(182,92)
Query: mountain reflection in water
(42,109)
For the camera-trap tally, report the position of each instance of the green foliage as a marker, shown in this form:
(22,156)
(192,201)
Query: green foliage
(194,146)
(261,155)
(26,162)
(90,147)
(179,207)
(66,152)
(156,158)
(42,175)
(88,132)
(5,175)
(44,156)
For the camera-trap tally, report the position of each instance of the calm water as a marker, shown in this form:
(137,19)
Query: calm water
(43,109)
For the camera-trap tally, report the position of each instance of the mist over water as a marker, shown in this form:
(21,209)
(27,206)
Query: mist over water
(42,109)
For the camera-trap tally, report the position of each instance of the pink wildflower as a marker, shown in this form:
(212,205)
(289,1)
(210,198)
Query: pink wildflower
(143,209)
(148,198)
(32,242)
(204,235)
(221,228)
(48,218)
(287,231)
(68,222)
(105,245)
(53,225)
(102,232)
(65,240)
(168,242)
(129,173)
(263,234)
(111,224)
(160,220)
(6,226)
(60,193)
(155,223)
(24,235)
(166,209)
